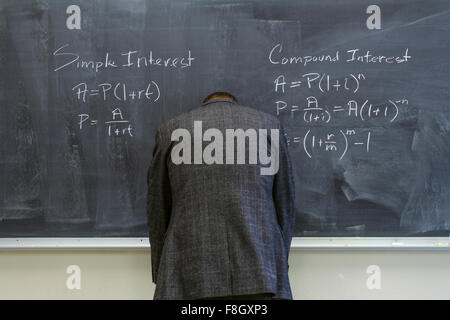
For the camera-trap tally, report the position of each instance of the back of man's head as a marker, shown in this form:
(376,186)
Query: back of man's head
(220,95)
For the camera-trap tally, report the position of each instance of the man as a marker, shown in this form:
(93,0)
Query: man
(219,230)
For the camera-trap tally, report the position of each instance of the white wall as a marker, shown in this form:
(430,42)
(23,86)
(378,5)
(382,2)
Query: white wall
(314,274)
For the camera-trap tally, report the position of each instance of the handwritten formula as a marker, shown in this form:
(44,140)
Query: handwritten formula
(97,91)
(326,113)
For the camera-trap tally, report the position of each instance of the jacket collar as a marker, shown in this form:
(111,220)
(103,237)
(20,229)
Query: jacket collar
(219,100)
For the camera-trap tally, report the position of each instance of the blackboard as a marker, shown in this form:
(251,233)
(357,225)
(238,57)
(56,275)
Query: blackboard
(366,109)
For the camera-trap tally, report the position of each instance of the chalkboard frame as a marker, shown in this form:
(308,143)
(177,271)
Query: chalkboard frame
(298,243)
(264,23)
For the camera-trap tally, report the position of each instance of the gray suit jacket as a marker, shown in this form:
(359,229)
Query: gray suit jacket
(220,229)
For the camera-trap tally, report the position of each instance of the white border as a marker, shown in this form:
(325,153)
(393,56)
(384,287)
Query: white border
(315,243)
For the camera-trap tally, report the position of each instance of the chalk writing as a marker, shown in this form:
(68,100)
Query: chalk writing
(118,125)
(353,55)
(363,110)
(324,82)
(119,91)
(128,59)
(317,117)
(67,61)
(337,141)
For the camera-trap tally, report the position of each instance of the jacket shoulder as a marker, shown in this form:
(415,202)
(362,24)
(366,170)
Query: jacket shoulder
(173,123)
(260,114)
(239,110)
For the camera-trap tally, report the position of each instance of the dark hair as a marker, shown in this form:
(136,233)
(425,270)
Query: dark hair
(220,95)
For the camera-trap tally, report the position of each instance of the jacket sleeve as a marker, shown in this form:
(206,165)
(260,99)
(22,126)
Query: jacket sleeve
(284,192)
(159,202)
